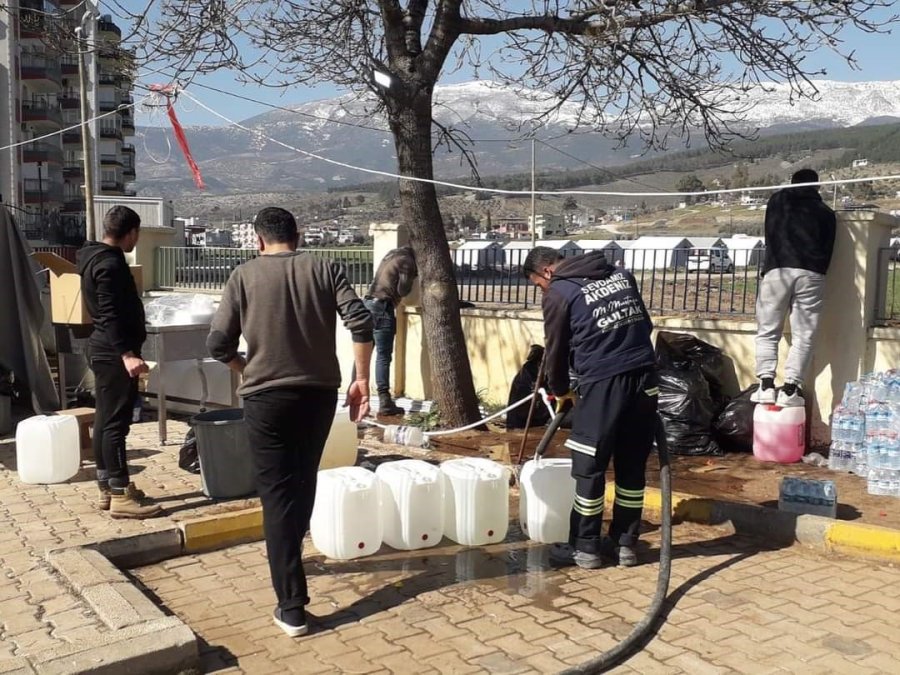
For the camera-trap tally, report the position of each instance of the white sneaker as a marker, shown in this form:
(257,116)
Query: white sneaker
(766,396)
(793,400)
(290,629)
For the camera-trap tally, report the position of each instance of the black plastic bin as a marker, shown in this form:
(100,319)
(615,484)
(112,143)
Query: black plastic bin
(226,468)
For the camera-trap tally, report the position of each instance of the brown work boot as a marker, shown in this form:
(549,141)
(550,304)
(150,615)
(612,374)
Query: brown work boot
(125,505)
(104,495)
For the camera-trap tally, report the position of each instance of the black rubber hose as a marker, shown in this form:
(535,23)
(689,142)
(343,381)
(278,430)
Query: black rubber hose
(640,632)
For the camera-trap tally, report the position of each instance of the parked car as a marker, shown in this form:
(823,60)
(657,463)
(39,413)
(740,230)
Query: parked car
(709,260)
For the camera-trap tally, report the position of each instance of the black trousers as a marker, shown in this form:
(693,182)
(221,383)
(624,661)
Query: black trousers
(115,393)
(613,419)
(287,429)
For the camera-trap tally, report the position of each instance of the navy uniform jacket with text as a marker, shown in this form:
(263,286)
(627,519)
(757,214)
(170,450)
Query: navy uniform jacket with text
(595,322)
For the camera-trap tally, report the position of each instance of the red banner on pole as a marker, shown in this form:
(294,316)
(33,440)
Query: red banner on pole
(168,91)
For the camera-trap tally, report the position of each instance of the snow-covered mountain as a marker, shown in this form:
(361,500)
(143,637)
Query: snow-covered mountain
(352,132)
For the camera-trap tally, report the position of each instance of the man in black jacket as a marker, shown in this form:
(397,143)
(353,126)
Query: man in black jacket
(800,230)
(596,324)
(114,349)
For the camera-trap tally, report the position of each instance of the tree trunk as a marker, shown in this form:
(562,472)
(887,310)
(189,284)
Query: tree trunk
(454,390)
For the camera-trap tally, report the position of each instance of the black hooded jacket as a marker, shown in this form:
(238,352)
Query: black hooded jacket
(112,300)
(594,321)
(800,230)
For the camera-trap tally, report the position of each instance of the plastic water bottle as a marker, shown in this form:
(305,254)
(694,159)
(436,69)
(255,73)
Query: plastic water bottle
(873,484)
(853,395)
(402,435)
(837,455)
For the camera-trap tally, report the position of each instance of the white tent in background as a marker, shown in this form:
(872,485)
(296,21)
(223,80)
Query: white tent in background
(479,254)
(706,243)
(650,253)
(745,250)
(566,247)
(514,252)
(610,247)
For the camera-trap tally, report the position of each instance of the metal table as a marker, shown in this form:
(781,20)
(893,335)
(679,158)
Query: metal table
(166,344)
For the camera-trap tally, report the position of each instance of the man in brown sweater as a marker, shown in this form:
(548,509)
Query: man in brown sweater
(393,282)
(285,304)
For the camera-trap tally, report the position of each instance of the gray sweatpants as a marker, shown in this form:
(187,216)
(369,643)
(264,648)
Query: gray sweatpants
(800,292)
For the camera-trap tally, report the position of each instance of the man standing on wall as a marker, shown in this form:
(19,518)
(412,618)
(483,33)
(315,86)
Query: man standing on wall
(285,304)
(800,231)
(114,348)
(595,322)
(393,282)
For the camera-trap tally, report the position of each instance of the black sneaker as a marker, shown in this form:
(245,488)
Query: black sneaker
(623,556)
(291,621)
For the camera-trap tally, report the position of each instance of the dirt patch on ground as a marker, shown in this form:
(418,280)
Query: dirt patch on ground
(734,477)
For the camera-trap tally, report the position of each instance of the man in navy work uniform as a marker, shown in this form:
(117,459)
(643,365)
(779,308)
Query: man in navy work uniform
(285,303)
(596,324)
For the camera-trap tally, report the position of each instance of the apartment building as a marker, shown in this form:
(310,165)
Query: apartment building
(43,181)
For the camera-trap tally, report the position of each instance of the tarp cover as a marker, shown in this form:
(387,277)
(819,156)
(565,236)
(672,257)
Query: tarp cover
(21,349)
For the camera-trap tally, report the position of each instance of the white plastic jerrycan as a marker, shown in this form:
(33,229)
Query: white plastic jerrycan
(346,520)
(545,499)
(48,449)
(412,504)
(476,501)
(779,434)
(343,440)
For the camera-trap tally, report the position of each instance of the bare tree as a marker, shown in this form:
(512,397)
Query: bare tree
(648,70)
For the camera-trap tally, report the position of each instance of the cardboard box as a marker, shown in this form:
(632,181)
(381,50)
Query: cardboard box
(66,304)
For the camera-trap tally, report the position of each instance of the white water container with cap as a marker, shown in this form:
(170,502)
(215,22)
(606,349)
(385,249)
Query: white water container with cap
(346,517)
(545,500)
(48,449)
(412,504)
(476,501)
(343,440)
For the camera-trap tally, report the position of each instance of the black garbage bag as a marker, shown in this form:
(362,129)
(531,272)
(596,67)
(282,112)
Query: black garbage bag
(675,349)
(522,386)
(734,426)
(188,459)
(687,410)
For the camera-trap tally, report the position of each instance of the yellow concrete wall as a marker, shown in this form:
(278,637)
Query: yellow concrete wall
(884,349)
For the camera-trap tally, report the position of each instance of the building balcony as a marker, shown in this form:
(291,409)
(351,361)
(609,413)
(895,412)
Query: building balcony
(42,191)
(109,79)
(41,72)
(111,132)
(73,205)
(128,126)
(72,137)
(110,160)
(128,173)
(67,102)
(42,152)
(33,20)
(106,25)
(68,64)
(41,112)
(128,149)
(107,106)
(127,99)
(73,168)
(115,187)
(129,192)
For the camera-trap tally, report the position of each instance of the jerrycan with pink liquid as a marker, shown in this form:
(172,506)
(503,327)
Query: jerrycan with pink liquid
(779,434)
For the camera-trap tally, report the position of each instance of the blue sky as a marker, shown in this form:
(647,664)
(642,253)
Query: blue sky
(876,60)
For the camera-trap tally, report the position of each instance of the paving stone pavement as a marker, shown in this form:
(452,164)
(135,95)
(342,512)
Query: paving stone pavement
(501,609)
(36,611)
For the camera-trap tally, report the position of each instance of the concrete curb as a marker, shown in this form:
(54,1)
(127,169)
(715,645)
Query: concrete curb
(141,638)
(858,540)
(870,542)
